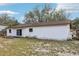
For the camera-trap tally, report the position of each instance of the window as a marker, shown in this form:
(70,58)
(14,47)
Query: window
(30,30)
(19,32)
(9,30)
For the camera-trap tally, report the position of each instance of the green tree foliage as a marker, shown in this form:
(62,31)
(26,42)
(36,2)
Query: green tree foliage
(45,14)
(37,14)
(75,23)
(60,15)
(30,17)
(5,19)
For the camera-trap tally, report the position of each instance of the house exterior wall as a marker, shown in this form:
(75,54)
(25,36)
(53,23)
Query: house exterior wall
(61,32)
(13,32)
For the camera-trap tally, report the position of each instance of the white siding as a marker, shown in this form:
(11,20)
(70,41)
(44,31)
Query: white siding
(13,32)
(46,32)
(49,32)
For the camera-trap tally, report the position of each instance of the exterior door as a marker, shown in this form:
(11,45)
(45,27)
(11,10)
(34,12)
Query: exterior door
(19,32)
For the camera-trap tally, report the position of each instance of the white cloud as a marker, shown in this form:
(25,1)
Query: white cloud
(8,12)
(68,7)
(3,4)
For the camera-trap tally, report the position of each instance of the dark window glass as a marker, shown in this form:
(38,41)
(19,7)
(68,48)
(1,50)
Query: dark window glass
(19,32)
(9,30)
(30,30)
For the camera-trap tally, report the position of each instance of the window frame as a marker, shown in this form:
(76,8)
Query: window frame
(30,29)
(10,31)
(19,32)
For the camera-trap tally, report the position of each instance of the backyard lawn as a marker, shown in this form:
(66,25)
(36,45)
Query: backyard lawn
(35,47)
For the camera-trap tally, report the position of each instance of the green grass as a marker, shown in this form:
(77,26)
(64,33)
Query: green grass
(37,47)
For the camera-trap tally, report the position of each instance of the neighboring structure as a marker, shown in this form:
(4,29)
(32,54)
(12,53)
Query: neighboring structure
(77,33)
(74,33)
(56,30)
(3,30)
(2,27)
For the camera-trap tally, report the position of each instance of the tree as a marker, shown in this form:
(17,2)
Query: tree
(38,15)
(29,17)
(75,23)
(45,14)
(60,15)
(5,19)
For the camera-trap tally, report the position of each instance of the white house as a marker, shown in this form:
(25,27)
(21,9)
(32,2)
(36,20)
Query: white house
(56,30)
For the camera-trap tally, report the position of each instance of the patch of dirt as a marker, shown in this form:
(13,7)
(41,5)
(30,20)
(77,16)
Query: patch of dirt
(67,54)
(41,50)
(76,42)
(1,46)
(8,42)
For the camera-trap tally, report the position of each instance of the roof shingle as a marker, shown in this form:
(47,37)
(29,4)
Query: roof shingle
(53,23)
